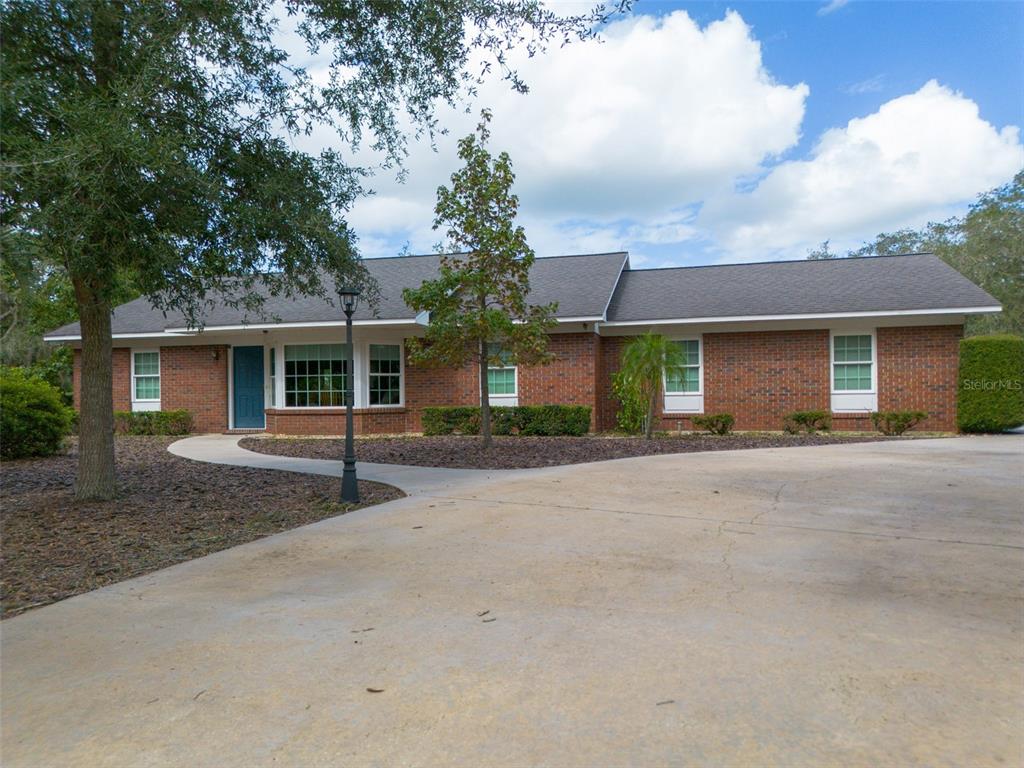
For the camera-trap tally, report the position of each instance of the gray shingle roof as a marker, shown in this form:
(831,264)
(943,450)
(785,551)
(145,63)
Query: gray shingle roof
(582,286)
(873,284)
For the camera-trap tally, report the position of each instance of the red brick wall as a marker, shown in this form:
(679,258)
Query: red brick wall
(331,421)
(196,378)
(761,376)
(190,378)
(440,386)
(609,358)
(569,379)
(122,379)
(917,370)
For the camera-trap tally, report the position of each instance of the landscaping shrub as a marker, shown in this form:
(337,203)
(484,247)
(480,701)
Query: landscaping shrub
(897,422)
(631,416)
(715,423)
(808,421)
(453,420)
(543,420)
(990,397)
(550,420)
(152,422)
(33,420)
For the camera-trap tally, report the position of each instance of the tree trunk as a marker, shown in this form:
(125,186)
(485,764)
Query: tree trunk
(96,418)
(485,397)
(649,427)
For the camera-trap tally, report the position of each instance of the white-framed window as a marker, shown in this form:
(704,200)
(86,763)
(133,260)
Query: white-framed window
(502,376)
(384,371)
(272,378)
(146,376)
(684,384)
(315,375)
(685,379)
(853,362)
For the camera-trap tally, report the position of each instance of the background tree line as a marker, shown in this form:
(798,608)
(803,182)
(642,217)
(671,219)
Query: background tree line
(986,245)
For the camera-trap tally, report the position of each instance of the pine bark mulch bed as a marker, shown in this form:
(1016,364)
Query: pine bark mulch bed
(168,510)
(465,452)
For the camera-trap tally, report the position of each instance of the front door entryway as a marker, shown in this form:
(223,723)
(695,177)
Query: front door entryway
(248,386)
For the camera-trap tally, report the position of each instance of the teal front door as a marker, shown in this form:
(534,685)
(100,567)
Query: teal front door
(248,387)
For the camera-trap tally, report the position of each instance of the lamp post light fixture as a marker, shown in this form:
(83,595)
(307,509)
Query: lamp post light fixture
(349,485)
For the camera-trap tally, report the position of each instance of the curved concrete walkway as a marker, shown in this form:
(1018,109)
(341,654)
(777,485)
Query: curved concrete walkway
(224,449)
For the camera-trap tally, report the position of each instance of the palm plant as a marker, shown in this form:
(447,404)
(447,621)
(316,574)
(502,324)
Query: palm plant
(644,363)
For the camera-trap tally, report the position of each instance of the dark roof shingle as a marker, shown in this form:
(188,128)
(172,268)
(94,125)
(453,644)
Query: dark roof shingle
(872,284)
(582,286)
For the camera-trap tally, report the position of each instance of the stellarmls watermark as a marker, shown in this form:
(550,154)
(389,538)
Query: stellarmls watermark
(1013,385)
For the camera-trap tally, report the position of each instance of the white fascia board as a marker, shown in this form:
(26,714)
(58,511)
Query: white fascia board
(144,335)
(277,326)
(175,333)
(809,316)
(411,322)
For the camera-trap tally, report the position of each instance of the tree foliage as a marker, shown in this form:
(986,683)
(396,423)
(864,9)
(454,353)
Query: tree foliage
(478,306)
(152,144)
(990,396)
(986,245)
(33,420)
(644,363)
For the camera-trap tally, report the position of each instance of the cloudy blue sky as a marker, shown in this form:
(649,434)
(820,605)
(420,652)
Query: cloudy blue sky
(701,133)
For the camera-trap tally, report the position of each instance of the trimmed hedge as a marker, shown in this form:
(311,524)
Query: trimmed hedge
(152,422)
(715,423)
(990,396)
(808,421)
(33,419)
(894,423)
(535,420)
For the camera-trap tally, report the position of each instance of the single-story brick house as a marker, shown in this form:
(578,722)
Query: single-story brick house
(762,340)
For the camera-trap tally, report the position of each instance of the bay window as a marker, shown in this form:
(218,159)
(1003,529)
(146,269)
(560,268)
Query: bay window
(315,375)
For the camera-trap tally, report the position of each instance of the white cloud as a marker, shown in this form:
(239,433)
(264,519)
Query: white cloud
(632,128)
(869,85)
(620,143)
(831,7)
(913,160)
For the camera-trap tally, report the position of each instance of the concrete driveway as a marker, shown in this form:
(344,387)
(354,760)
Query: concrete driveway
(844,605)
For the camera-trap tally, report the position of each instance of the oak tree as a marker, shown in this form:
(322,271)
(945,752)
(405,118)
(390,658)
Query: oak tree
(155,143)
(478,307)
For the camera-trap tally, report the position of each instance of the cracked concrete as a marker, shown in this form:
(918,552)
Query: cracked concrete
(838,605)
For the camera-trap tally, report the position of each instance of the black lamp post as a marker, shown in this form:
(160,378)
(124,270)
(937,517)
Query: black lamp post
(349,485)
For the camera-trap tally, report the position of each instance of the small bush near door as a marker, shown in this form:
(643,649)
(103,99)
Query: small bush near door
(808,421)
(152,422)
(537,420)
(897,422)
(991,392)
(33,419)
(715,423)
